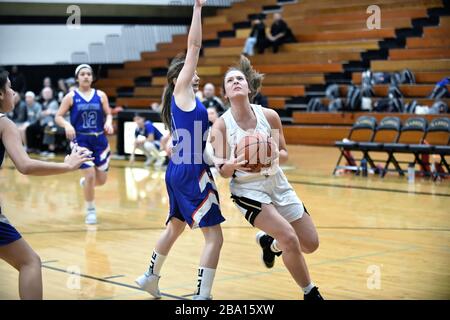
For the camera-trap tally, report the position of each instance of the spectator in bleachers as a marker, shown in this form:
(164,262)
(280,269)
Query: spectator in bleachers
(62,89)
(257,38)
(213,115)
(34,109)
(18,82)
(47,82)
(50,129)
(210,99)
(280,33)
(19,114)
(35,132)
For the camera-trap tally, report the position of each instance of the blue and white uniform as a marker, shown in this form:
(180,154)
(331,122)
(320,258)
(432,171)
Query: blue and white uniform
(192,191)
(8,233)
(88,119)
(149,128)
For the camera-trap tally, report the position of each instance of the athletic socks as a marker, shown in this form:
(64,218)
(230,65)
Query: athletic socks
(156,263)
(205,282)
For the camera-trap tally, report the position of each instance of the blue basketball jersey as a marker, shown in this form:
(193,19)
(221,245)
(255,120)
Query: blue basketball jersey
(149,128)
(190,125)
(193,195)
(87,116)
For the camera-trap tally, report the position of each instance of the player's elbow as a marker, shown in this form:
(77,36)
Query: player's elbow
(25,168)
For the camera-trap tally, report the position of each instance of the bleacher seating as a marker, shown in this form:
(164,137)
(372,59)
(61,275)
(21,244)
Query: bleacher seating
(334,46)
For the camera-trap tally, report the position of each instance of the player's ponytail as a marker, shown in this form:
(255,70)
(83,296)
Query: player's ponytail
(173,72)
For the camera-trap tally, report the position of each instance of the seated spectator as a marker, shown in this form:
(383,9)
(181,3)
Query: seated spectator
(213,115)
(34,109)
(19,114)
(62,89)
(279,33)
(148,141)
(35,132)
(257,38)
(18,82)
(261,100)
(210,99)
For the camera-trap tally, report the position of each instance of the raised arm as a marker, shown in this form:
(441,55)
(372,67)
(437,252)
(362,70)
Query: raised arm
(183,92)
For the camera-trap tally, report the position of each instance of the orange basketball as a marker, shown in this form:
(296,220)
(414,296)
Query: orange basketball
(257,151)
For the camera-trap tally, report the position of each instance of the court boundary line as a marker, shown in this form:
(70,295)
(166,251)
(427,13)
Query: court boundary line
(110,281)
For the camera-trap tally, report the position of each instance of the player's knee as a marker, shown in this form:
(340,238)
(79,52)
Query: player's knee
(89,177)
(310,245)
(101,180)
(289,241)
(31,260)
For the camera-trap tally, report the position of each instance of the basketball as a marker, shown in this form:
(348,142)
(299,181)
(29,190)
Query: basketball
(257,151)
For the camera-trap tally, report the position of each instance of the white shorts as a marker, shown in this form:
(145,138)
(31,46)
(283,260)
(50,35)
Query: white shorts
(249,195)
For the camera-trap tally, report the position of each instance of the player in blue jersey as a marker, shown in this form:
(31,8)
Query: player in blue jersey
(148,140)
(193,196)
(13,248)
(90,118)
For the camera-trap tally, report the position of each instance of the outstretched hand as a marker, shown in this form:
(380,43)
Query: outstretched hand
(77,157)
(200,3)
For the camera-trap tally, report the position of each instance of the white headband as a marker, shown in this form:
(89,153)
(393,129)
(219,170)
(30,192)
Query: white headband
(81,66)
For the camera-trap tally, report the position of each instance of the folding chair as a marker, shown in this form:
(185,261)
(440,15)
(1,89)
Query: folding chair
(437,141)
(387,131)
(412,132)
(362,130)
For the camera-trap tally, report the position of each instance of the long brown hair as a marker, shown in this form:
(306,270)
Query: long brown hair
(253,77)
(174,70)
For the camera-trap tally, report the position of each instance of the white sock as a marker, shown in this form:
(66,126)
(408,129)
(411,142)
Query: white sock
(308,288)
(156,263)
(205,281)
(90,205)
(274,247)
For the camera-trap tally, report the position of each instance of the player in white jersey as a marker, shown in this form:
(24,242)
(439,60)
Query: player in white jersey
(266,198)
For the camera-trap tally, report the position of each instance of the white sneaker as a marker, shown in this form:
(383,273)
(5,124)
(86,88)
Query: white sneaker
(198,297)
(149,283)
(82,181)
(91,217)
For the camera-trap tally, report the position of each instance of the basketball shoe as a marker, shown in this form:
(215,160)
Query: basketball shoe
(268,256)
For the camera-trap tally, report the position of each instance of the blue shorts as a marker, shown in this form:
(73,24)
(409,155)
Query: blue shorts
(8,234)
(193,195)
(100,150)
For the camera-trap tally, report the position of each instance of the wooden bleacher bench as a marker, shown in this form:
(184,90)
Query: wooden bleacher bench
(414,65)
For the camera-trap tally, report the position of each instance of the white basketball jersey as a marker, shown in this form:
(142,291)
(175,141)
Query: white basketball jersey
(236,133)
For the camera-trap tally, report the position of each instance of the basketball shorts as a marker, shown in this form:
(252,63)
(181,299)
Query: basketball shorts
(250,195)
(8,234)
(99,146)
(193,196)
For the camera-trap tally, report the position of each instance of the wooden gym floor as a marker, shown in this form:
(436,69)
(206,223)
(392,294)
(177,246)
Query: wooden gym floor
(380,238)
